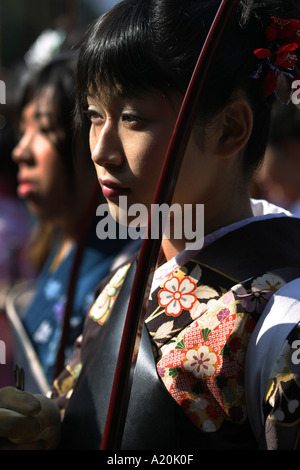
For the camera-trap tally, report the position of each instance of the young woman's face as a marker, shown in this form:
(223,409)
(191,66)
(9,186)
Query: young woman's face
(42,175)
(129,140)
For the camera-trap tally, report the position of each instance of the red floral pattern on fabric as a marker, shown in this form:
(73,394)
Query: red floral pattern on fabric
(216,358)
(202,350)
(177,295)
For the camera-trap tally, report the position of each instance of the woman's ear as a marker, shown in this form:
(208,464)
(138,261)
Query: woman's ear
(236,122)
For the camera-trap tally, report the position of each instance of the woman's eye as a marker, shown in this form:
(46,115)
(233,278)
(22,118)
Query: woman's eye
(93,116)
(132,119)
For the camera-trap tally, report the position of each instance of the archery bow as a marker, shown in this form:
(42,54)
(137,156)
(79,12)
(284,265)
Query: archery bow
(116,416)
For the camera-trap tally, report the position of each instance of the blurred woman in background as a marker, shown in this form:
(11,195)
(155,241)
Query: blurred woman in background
(58,182)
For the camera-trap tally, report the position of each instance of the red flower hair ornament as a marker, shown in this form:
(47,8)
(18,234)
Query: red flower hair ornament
(284,39)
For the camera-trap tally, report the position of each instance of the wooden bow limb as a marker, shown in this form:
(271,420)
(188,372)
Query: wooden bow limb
(117,410)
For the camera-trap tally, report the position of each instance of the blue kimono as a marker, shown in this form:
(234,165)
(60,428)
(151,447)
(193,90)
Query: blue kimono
(44,317)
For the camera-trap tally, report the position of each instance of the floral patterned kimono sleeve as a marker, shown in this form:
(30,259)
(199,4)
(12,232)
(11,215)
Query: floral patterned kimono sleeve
(273,371)
(106,296)
(282,399)
(201,327)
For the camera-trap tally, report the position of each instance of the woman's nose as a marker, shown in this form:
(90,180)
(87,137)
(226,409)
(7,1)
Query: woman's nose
(106,147)
(23,149)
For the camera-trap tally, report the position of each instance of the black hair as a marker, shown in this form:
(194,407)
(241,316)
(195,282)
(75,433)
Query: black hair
(144,44)
(59,75)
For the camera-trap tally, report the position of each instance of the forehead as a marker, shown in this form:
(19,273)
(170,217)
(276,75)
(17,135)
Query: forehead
(153,98)
(104,94)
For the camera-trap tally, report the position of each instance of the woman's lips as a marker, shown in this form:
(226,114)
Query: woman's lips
(112,190)
(25,188)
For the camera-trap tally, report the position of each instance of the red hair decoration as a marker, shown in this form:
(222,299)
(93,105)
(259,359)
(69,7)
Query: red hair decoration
(284,39)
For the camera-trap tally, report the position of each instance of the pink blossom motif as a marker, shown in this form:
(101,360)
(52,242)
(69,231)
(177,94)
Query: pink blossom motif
(161,371)
(201,362)
(223,314)
(177,295)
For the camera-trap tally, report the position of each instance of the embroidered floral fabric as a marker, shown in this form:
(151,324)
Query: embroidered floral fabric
(103,304)
(202,330)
